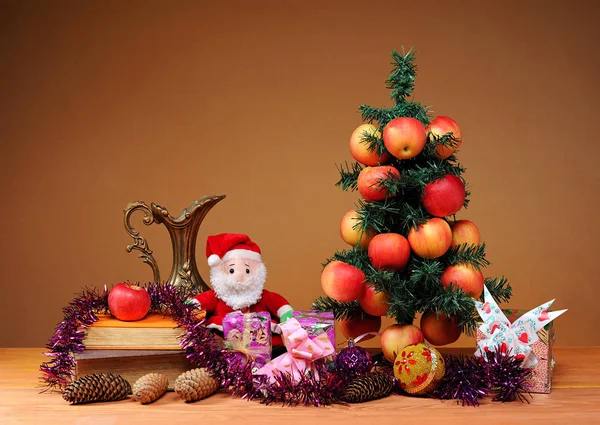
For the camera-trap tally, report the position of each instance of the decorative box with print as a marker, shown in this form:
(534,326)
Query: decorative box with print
(526,335)
(249,334)
(316,323)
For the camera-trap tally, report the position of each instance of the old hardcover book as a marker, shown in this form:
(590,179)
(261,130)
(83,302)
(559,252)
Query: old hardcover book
(132,364)
(154,332)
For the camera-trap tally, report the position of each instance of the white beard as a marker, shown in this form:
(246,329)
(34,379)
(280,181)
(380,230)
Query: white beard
(238,295)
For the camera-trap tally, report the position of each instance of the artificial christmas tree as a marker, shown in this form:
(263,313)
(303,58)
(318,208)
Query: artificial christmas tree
(414,196)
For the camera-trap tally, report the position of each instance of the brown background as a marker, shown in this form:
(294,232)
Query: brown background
(106,102)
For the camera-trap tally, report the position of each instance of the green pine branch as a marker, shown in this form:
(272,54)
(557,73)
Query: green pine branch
(380,279)
(355,257)
(341,310)
(418,175)
(411,215)
(402,78)
(402,304)
(467,253)
(426,273)
(382,116)
(349,176)
(380,216)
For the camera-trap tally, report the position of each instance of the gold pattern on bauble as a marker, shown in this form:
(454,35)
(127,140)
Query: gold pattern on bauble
(419,368)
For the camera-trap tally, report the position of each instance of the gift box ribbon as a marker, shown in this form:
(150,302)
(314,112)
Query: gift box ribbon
(500,334)
(301,352)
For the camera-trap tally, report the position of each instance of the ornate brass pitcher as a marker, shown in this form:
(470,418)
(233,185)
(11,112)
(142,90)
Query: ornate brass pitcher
(183,231)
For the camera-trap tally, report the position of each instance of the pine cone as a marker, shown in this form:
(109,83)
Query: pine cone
(97,387)
(150,387)
(367,387)
(195,384)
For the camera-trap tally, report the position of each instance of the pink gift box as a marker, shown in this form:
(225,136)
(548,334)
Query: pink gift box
(250,335)
(541,377)
(316,322)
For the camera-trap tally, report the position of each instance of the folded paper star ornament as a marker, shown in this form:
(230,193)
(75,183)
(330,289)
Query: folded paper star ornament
(516,337)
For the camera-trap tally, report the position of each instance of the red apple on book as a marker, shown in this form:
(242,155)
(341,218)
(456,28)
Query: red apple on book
(128,302)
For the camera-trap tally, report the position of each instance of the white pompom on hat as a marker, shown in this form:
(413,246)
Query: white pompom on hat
(226,246)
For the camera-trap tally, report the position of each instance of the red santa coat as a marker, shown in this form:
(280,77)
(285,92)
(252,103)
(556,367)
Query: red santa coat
(216,309)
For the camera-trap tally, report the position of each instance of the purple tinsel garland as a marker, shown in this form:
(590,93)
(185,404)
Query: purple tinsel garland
(469,379)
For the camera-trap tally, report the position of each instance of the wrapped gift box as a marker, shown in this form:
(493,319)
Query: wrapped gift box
(317,322)
(249,335)
(541,375)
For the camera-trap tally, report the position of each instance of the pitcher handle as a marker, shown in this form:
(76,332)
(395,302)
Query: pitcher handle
(139,243)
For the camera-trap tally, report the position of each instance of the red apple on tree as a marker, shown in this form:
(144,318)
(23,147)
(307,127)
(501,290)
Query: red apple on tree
(359,148)
(373,302)
(342,281)
(431,239)
(395,337)
(389,251)
(353,236)
(464,232)
(359,325)
(370,182)
(444,196)
(465,277)
(404,137)
(439,329)
(443,125)
(128,302)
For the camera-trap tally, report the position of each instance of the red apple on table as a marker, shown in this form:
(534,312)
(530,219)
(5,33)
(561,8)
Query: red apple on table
(128,302)
(359,325)
(404,137)
(395,337)
(431,239)
(359,149)
(352,236)
(373,302)
(465,277)
(440,126)
(439,329)
(342,281)
(369,182)
(444,196)
(389,251)
(464,232)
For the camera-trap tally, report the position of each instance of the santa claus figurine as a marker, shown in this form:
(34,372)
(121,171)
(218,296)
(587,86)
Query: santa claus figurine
(238,275)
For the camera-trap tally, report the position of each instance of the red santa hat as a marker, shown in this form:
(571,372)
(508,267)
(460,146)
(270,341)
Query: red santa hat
(226,246)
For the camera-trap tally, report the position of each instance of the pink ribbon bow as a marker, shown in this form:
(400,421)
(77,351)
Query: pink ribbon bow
(301,352)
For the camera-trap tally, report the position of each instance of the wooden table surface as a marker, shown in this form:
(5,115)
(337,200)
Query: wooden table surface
(575,399)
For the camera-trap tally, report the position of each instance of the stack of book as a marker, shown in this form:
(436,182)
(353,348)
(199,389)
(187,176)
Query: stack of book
(133,349)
